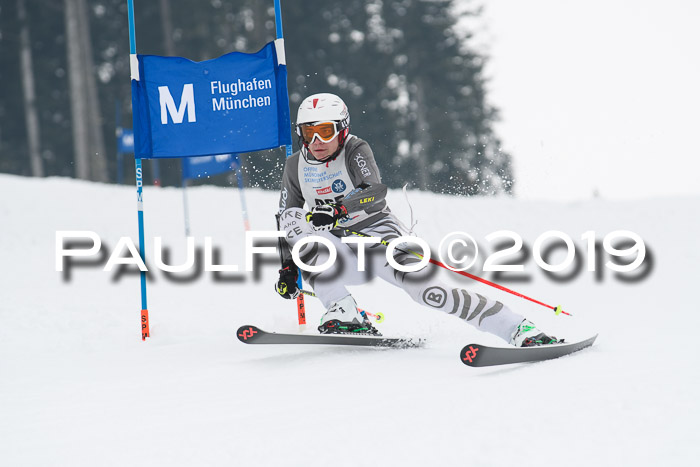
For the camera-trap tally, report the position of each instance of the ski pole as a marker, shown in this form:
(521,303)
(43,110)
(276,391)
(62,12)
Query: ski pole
(557,309)
(379,317)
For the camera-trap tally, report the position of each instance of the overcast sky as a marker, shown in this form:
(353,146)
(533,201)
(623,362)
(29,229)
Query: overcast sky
(597,95)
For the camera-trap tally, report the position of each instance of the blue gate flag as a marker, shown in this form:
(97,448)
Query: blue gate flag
(235,103)
(205,166)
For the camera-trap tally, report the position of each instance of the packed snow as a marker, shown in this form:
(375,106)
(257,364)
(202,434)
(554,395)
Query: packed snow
(79,387)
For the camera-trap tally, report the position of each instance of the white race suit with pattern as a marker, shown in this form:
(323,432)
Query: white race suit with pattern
(320,183)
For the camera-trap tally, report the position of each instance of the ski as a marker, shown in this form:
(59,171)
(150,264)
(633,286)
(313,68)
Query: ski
(484,355)
(253,335)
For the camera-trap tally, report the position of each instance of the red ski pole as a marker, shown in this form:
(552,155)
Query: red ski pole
(557,309)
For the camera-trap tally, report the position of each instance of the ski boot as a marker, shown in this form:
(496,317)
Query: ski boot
(343,317)
(527,335)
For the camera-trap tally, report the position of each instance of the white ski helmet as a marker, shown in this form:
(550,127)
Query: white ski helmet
(323,107)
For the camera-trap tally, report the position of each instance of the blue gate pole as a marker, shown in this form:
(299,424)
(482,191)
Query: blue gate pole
(301,309)
(280,36)
(145,328)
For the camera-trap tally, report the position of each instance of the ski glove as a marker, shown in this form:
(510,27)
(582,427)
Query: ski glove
(326,216)
(286,285)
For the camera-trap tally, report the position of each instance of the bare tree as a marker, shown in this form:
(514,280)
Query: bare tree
(260,17)
(167,25)
(98,156)
(78,101)
(30,112)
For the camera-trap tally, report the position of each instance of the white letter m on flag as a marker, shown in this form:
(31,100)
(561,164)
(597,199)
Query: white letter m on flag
(167,105)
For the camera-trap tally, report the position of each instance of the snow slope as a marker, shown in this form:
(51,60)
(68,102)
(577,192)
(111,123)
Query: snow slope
(79,387)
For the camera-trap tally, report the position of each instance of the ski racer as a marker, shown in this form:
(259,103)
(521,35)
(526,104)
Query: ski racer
(330,164)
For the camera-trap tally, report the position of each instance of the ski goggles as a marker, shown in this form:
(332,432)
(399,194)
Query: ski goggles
(325,131)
